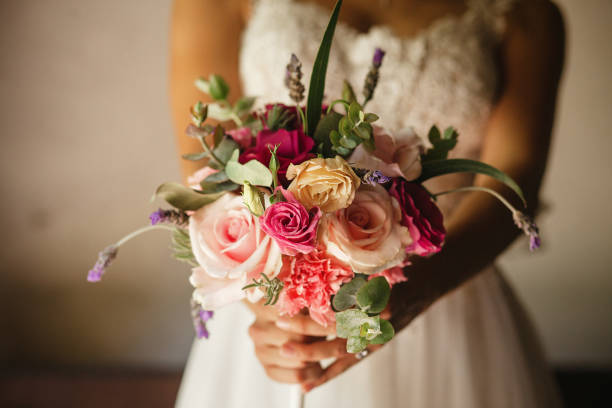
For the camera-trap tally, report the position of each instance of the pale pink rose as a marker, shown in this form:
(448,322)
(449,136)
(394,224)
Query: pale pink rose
(232,250)
(396,155)
(242,136)
(196,178)
(368,235)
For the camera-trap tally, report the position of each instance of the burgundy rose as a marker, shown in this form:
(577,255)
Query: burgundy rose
(293,147)
(292,226)
(421,215)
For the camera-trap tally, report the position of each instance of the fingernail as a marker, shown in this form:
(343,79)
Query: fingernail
(282,324)
(287,351)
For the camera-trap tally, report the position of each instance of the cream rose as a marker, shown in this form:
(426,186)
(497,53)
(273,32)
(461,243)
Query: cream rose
(232,250)
(396,155)
(329,184)
(367,235)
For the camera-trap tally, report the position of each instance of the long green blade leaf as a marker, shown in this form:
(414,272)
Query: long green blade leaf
(319,71)
(436,168)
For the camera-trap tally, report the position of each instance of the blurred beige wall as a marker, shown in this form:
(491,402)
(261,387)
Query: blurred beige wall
(86,138)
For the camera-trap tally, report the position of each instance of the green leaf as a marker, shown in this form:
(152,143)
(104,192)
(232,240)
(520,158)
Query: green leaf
(219,89)
(319,71)
(355,344)
(184,198)
(225,149)
(374,295)
(346,296)
(252,172)
(202,85)
(363,131)
(244,104)
(371,117)
(218,135)
(253,199)
(181,246)
(217,177)
(322,134)
(441,144)
(350,323)
(212,187)
(387,333)
(348,94)
(440,167)
(353,112)
(194,156)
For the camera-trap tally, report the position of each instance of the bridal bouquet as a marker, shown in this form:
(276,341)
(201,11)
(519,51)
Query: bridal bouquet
(313,208)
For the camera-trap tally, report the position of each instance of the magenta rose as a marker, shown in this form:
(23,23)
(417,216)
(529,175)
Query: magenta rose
(292,227)
(293,147)
(421,215)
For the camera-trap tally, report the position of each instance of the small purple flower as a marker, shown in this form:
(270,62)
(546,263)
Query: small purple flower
(105,258)
(378,57)
(375,177)
(529,228)
(200,317)
(169,216)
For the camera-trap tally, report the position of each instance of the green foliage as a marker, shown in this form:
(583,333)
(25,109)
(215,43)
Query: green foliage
(436,168)
(181,247)
(214,187)
(441,143)
(322,139)
(387,333)
(184,198)
(374,295)
(347,295)
(253,199)
(319,71)
(244,105)
(224,146)
(219,89)
(217,177)
(278,118)
(252,172)
(348,94)
(271,287)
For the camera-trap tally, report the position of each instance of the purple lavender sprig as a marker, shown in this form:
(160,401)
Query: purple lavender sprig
(293,80)
(373,74)
(529,227)
(375,177)
(105,258)
(178,218)
(199,317)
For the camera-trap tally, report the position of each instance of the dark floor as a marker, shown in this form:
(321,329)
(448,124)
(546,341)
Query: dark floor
(133,389)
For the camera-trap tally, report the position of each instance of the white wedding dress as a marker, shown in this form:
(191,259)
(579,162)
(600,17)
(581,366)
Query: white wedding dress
(473,348)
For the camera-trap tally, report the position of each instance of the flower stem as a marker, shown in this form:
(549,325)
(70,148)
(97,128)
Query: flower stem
(142,231)
(210,152)
(477,188)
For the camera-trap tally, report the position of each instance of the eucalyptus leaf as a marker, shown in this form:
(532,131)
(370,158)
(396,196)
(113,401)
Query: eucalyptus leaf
(184,198)
(437,168)
(346,296)
(219,89)
(353,112)
(202,85)
(252,172)
(225,149)
(218,135)
(195,156)
(351,322)
(387,333)
(322,135)
(355,344)
(319,71)
(374,295)
(244,104)
(211,188)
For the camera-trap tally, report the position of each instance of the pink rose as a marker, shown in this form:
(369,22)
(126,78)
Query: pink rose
(232,251)
(422,217)
(242,136)
(368,234)
(393,275)
(293,227)
(309,281)
(293,147)
(196,178)
(397,155)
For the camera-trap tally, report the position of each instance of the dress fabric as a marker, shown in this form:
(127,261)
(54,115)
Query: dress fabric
(473,348)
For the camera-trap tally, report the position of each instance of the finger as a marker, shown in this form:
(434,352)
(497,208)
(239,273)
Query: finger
(334,370)
(294,375)
(267,333)
(317,351)
(302,324)
(270,355)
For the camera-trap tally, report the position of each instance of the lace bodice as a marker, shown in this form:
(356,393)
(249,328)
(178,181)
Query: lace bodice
(446,74)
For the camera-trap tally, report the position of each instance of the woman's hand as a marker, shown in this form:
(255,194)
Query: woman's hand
(290,348)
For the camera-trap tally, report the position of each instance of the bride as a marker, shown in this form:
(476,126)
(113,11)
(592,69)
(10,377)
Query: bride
(491,69)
